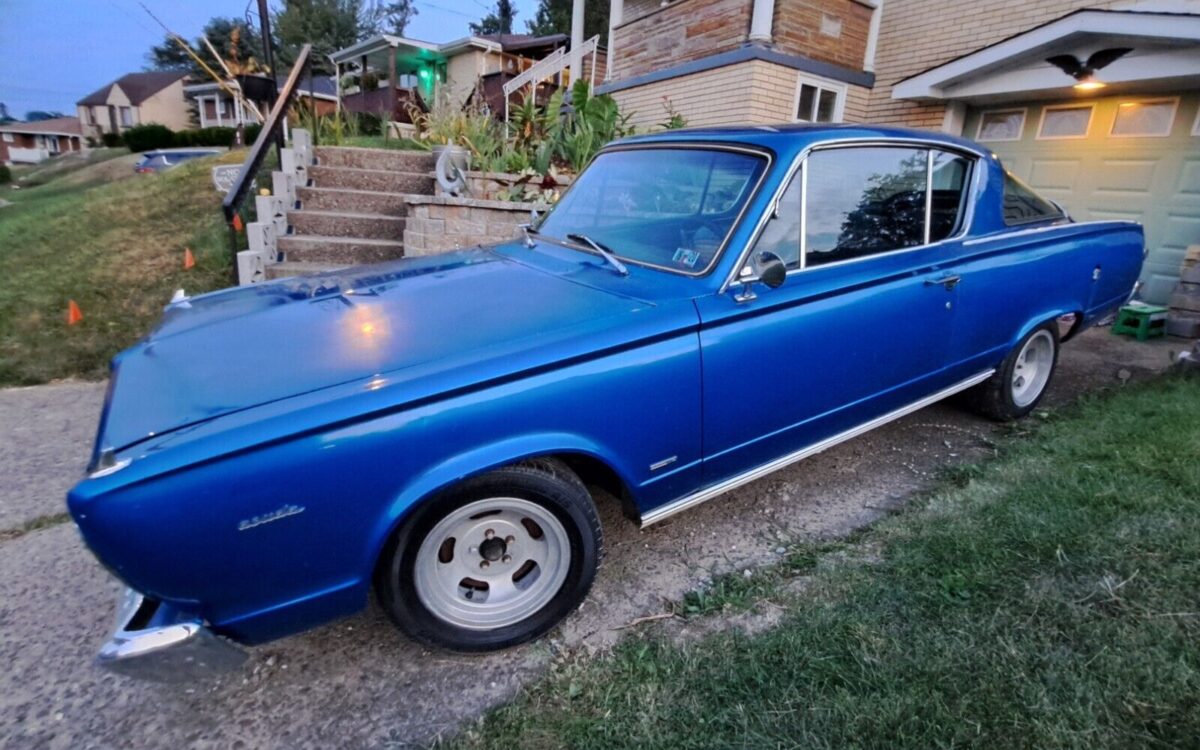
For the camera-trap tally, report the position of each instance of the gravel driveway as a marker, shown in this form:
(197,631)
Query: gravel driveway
(357,682)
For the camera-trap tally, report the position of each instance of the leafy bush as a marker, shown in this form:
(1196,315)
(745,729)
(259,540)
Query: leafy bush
(5,175)
(149,137)
(111,140)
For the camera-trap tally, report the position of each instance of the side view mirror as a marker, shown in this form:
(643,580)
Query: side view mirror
(766,268)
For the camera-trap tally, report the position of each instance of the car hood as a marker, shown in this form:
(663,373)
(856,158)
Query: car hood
(236,349)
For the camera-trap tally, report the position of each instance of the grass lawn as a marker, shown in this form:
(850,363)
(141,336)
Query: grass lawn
(1047,598)
(116,249)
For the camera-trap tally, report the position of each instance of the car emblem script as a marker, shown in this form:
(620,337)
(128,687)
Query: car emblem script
(275,515)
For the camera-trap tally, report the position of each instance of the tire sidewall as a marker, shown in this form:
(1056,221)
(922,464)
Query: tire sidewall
(396,581)
(1014,411)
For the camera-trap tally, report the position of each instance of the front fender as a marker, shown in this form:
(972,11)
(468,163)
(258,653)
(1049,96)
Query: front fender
(482,459)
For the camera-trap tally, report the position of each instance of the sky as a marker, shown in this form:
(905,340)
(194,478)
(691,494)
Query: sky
(53,54)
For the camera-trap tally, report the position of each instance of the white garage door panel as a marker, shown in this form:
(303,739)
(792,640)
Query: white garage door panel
(1152,180)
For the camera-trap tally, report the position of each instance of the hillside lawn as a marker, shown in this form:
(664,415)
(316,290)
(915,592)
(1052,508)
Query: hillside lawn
(1047,598)
(115,245)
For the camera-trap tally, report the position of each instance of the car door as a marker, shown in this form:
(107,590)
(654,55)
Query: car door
(859,328)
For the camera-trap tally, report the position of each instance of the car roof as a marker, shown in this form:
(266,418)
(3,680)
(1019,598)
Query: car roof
(183,150)
(795,136)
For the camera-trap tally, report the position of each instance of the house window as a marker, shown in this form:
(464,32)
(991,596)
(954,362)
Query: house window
(818,101)
(1196,124)
(1144,119)
(8,137)
(1004,125)
(126,117)
(91,116)
(1067,121)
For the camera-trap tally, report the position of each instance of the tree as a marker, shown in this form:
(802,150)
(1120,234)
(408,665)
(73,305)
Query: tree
(240,47)
(394,16)
(329,25)
(499,21)
(554,17)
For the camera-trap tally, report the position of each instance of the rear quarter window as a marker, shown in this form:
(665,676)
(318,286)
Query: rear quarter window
(1024,206)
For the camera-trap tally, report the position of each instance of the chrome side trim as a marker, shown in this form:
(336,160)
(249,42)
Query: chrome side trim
(709,493)
(1057,224)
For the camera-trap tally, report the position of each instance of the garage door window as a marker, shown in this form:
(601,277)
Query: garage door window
(1001,126)
(1070,121)
(1144,119)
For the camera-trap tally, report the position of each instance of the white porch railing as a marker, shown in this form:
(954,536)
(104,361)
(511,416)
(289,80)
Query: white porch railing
(551,65)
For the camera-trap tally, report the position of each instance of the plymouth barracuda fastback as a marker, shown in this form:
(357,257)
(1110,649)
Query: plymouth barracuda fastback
(700,308)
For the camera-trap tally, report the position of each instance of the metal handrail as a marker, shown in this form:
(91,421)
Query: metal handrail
(271,132)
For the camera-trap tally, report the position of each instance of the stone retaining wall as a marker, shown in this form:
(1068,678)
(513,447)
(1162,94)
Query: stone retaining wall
(440,223)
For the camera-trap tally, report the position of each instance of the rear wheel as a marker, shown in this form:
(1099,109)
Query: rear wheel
(494,562)
(1022,378)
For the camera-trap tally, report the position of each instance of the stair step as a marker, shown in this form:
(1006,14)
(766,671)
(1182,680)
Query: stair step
(375,158)
(292,268)
(381,180)
(362,201)
(347,224)
(313,248)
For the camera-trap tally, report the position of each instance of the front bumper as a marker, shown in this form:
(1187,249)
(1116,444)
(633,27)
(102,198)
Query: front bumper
(153,643)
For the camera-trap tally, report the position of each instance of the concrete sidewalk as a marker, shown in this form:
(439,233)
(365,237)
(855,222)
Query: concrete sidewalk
(358,682)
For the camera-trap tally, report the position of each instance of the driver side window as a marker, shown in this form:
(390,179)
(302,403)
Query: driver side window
(781,235)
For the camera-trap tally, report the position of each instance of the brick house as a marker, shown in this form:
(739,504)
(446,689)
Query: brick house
(136,99)
(1123,142)
(32,142)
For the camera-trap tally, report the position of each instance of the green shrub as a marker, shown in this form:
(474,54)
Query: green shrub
(205,137)
(149,137)
(111,140)
(5,175)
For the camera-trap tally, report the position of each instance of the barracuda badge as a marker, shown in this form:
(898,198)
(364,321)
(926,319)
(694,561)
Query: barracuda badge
(275,515)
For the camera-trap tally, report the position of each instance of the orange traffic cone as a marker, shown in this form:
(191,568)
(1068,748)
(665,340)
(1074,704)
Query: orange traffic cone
(237,222)
(189,260)
(74,314)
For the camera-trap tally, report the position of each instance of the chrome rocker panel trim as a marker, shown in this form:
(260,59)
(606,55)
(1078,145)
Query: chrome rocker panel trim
(172,652)
(688,501)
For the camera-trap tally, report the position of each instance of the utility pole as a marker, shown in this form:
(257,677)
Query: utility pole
(264,21)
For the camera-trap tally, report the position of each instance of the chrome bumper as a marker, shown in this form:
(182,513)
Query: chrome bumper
(147,644)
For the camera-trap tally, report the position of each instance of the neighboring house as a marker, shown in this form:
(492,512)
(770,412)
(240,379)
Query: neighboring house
(32,142)
(1125,146)
(217,107)
(404,72)
(136,99)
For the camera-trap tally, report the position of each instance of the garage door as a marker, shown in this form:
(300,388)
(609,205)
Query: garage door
(1110,158)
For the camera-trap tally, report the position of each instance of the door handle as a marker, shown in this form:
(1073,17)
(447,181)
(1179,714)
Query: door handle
(949,282)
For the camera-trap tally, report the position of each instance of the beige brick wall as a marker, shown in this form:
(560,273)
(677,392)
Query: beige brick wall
(754,92)
(915,35)
(438,225)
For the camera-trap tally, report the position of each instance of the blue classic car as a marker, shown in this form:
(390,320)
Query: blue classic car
(701,308)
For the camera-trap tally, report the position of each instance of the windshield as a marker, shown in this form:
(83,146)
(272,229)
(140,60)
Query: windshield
(672,208)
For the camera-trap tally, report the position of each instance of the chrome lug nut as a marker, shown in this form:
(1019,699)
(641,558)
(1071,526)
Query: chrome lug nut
(489,534)
(506,558)
(484,563)
(509,539)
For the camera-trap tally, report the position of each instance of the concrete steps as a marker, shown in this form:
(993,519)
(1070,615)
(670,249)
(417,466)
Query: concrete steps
(345,251)
(353,209)
(375,158)
(379,180)
(351,201)
(347,224)
(289,268)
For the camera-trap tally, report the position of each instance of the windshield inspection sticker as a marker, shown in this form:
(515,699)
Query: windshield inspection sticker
(686,257)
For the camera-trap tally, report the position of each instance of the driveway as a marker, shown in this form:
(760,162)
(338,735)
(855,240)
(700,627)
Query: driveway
(357,682)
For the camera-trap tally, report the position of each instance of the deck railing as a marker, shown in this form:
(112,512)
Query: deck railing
(272,132)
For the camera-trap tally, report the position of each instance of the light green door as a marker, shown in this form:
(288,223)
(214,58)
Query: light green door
(1134,157)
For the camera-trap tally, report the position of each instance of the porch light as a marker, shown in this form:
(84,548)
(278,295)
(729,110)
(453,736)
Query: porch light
(1090,83)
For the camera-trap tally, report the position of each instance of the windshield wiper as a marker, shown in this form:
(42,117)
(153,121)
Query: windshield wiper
(604,252)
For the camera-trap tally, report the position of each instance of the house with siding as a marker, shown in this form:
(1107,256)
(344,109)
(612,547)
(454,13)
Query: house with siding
(136,99)
(1118,142)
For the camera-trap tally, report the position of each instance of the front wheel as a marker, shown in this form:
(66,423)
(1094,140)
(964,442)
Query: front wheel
(494,562)
(1022,378)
